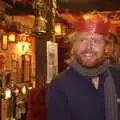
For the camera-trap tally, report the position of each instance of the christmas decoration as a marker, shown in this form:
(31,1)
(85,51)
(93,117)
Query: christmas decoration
(92,23)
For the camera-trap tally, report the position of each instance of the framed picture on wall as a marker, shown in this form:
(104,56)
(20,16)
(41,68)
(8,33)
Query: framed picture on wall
(52,60)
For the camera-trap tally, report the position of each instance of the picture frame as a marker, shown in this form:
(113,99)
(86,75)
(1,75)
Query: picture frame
(52,61)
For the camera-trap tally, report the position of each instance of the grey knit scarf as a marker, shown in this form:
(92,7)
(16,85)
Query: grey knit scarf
(111,110)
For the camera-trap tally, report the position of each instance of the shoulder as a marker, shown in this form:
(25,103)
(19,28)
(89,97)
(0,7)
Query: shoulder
(57,87)
(115,68)
(115,71)
(63,77)
(64,80)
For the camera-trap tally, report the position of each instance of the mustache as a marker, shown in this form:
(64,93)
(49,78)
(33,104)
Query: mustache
(87,51)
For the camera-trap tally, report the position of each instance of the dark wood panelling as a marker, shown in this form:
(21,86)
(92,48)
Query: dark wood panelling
(41,60)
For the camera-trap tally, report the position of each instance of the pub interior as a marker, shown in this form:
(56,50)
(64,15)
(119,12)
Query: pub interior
(35,47)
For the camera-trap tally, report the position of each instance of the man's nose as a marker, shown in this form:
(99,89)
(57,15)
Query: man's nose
(89,44)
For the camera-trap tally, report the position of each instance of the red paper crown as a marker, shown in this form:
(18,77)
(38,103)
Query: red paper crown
(92,23)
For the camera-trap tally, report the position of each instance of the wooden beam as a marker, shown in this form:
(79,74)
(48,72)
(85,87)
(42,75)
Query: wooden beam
(24,12)
(100,6)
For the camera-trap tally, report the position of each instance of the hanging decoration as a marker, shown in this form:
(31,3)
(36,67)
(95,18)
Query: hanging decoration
(40,24)
(40,18)
(113,16)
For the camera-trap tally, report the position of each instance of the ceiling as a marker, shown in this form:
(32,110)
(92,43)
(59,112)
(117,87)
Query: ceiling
(18,8)
(69,10)
(85,5)
(72,5)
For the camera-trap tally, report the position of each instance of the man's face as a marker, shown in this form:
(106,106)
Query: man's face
(89,49)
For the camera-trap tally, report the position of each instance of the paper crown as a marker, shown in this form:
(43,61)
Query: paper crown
(92,23)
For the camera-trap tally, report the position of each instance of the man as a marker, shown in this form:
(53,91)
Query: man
(86,90)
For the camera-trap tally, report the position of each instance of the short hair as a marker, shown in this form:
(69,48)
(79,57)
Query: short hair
(113,37)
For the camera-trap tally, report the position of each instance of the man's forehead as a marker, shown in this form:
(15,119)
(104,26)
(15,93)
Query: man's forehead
(89,35)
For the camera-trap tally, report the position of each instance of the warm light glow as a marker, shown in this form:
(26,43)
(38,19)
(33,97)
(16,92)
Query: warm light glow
(4,37)
(86,16)
(8,93)
(16,91)
(23,47)
(11,37)
(33,84)
(24,90)
(58,29)
(4,42)
(30,88)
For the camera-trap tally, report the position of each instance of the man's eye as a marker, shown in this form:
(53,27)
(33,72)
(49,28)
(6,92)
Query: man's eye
(95,41)
(82,40)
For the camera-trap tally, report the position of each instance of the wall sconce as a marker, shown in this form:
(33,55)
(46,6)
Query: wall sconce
(8,93)
(4,42)
(11,37)
(59,29)
(24,90)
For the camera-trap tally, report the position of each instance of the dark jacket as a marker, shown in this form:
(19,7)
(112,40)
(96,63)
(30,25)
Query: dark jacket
(73,97)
